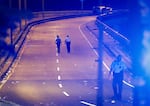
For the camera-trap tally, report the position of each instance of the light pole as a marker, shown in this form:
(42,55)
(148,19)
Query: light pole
(100,72)
(43,7)
(25,7)
(19,6)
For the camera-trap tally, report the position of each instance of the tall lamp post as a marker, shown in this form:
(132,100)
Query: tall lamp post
(25,7)
(100,60)
(100,72)
(19,6)
(43,7)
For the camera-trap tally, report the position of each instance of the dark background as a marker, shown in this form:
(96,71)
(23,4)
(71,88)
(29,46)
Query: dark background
(36,5)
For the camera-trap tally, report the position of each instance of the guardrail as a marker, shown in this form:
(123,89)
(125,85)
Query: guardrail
(8,62)
(115,15)
(115,34)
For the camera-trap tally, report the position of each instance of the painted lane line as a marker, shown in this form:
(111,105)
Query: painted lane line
(65,93)
(58,69)
(128,84)
(106,66)
(87,40)
(86,103)
(60,85)
(59,77)
(57,60)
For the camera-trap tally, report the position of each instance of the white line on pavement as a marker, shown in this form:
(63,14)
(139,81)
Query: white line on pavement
(59,77)
(58,69)
(65,93)
(57,60)
(60,85)
(98,55)
(86,103)
(87,40)
(128,84)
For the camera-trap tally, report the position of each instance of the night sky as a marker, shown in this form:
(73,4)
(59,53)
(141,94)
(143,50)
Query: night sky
(35,5)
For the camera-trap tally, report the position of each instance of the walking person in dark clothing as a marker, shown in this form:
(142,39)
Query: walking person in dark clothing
(58,43)
(117,68)
(68,43)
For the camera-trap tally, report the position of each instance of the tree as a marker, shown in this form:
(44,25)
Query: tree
(9,19)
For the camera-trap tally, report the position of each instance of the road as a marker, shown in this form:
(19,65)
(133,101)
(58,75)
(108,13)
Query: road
(41,77)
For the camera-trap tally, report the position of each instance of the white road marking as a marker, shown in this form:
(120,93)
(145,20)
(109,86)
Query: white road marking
(57,60)
(59,77)
(106,66)
(87,40)
(60,85)
(86,103)
(58,69)
(65,93)
(128,84)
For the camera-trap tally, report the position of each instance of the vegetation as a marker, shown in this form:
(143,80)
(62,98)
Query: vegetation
(10,19)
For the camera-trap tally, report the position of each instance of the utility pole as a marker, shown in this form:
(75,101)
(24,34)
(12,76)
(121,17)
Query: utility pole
(19,6)
(100,61)
(25,7)
(100,69)
(43,7)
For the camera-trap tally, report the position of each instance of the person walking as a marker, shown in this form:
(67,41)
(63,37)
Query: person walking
(58,43)
(117,68)
(68,43)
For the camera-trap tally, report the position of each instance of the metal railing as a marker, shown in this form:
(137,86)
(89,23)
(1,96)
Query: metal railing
(7,61)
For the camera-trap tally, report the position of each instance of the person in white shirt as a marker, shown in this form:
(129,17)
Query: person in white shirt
(68,43)
(117,67)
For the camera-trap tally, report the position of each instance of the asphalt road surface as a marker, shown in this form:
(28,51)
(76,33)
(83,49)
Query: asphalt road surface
(41,77)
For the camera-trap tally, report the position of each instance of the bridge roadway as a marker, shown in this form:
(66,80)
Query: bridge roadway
(41,77)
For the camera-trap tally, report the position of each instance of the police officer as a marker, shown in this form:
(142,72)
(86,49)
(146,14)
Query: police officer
(58,43)
(68,43)
(117,68)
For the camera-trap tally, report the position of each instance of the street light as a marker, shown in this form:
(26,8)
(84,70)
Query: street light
(19,6)
(43,7)
(100,73)
(25,7)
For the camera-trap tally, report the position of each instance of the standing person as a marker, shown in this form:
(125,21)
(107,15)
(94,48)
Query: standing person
(58,43)
(117,68)
(68,43)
